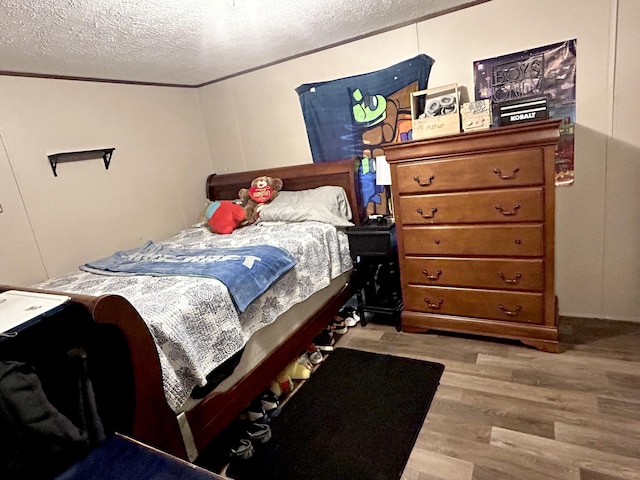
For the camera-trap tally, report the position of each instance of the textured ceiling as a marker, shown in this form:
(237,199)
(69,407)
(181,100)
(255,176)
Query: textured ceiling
(186,42)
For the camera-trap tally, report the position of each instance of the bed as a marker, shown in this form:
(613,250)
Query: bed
(269,333)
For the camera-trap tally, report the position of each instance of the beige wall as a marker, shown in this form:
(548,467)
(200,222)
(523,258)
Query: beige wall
(597,220)
(20,260)
(153,187)
(621,259)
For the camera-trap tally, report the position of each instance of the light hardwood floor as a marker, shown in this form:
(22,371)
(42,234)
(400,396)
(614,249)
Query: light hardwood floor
(506,411)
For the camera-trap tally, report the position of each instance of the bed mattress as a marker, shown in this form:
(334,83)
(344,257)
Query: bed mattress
(193,320)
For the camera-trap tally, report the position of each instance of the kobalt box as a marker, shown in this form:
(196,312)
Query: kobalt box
(523,110)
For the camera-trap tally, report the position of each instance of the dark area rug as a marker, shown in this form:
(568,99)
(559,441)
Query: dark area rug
(357,417)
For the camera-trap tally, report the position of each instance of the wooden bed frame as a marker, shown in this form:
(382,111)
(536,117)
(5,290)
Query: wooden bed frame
(154,422)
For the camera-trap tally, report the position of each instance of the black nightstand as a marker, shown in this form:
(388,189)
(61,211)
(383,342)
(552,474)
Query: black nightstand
(375,272)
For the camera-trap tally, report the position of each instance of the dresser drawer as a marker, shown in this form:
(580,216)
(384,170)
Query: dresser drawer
(505,205)
(508,274)
(506,241)
(491,170)
(498,305)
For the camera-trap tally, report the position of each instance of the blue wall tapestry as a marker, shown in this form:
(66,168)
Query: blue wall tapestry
(354,116)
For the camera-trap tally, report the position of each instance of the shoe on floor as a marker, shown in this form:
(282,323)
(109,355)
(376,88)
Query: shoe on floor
(350,315)
(243,451)
(325,341)
(270,403)
(314,354)
(255,413)
(338,325)
(258,432)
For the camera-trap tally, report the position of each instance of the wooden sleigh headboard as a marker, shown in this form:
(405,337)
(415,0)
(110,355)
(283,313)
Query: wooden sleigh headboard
(342,173)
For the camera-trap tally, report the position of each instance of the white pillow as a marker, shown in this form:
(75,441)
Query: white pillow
(327,204)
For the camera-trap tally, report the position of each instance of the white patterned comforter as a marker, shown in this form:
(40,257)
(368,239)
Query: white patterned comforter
(193,320)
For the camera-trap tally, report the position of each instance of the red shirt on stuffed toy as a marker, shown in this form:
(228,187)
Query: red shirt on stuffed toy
(261,192)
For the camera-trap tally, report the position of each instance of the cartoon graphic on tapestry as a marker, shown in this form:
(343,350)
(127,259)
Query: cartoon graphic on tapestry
(355,116)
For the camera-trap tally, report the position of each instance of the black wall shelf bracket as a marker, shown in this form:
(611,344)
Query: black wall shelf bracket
(56,158)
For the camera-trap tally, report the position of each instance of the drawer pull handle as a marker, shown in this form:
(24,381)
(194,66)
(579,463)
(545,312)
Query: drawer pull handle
(510,281)
(432,277)
(426,215)
(425,184)
(507,213)
(506,177)
(434,306)
(512,313)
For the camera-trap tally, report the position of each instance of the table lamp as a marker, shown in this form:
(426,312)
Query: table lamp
(383,177)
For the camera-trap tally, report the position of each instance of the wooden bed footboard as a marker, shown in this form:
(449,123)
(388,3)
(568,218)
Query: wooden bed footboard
(154,423)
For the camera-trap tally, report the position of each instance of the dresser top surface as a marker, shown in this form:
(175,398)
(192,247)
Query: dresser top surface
(540,133)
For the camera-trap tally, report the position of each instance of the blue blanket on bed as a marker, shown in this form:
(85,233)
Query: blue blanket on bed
(247,271)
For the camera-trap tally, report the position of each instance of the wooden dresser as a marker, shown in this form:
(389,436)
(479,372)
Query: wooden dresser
(475,225)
